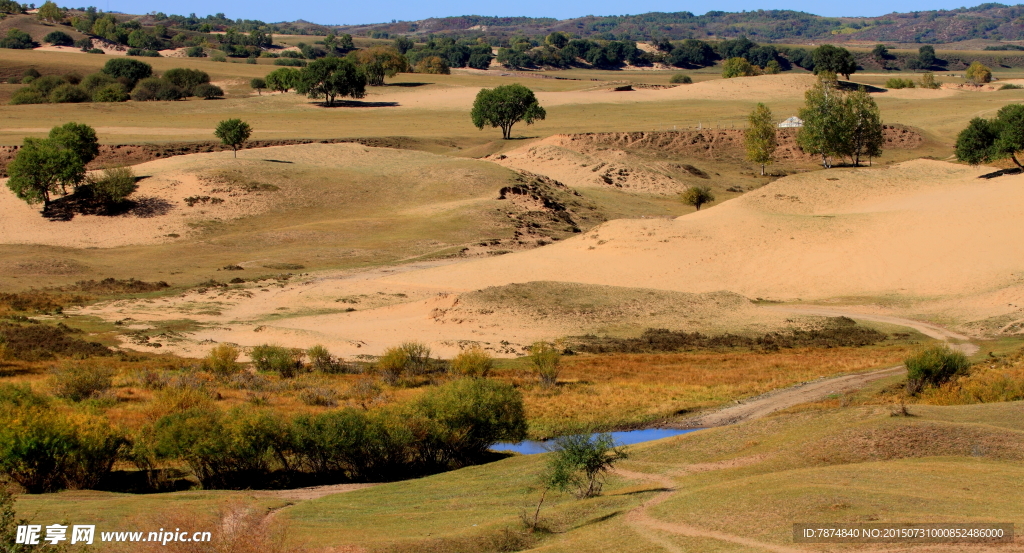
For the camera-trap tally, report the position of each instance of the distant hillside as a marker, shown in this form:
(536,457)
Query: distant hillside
(987,21)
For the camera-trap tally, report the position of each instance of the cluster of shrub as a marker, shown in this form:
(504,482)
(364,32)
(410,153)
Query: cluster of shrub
(927,81)
(113,83)
(836,332)
(450,425)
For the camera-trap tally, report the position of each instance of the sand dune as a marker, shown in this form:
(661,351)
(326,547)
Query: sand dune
(919,229)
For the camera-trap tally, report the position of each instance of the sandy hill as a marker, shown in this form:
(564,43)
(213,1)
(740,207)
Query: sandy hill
(920,229)
(924,238)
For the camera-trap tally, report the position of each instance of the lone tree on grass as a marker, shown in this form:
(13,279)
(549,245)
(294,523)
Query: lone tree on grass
(329,78)
(978,73)
(834,59)
(986,140)
(258,85)
(233,132)
(505,106)
(760,137)
(698,196)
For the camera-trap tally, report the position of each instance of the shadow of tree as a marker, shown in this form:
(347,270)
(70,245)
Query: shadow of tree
(358,104)
(1001,172)
(65,209)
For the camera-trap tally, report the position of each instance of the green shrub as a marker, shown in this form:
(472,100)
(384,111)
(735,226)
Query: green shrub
(222,359)
(95,81)
(219,56)
(321,360)
(419,357)
(142,53)
(546,359)
(94,51)
(154,88)
(465,417)
(290,62)
(30,73)
(127,68)
(928,81)
(393,364)
(208,91)
(473,362)
(251,60)
(69,94)
(58,38)
(195,52)
(47,84)
(82,380)
(1010,87)
(897,83)
(680,78)
(115,92)
(28,95)
(17,39)
(281,360)
(934,367)
(222,449)
(84,44)
(579,462)
(45,450)
(186,79)
(354,444)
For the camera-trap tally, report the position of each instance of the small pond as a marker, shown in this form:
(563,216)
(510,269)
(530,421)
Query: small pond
(627,437)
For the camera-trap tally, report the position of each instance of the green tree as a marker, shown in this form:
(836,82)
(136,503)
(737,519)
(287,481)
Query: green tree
(186,79)
(283,79)
(504,106)
(760,136)
(579,462)
(926,56)
(43,168)
(826,121)
(978,73)
(58,38)
(50,12)
(834,59)
(17,39)
(986,140)
(131,70)
(403,44)
(258,85)
(331,77)
(880,53)
(379,62)
(866,135)
(698,196)
(79,139)
(737,67)
(233,132)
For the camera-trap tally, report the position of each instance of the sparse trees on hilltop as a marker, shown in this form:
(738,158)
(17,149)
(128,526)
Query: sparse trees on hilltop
(50,12)
(504,106)
(837,124)
(760,136)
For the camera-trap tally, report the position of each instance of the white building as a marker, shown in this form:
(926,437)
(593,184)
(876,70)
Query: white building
(792,122)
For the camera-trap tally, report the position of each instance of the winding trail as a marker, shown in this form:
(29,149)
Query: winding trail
(653,529)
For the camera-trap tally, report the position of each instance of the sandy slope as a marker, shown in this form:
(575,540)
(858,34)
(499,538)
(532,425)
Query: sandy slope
(919,229)
(923,238)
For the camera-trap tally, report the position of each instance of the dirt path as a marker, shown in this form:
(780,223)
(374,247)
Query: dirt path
(776,400)
(642,521)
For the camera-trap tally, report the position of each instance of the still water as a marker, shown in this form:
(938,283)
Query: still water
(627,437)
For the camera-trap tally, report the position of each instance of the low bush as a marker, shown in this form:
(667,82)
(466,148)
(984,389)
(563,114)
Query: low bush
(281,360)
(934,367)
(47,83)
(579,462)
(898,83)
(473,362)
(222,449)
(115,92)
(94,51)
(81,380)
(58,38)
(45,450)
(1011,87)
(433,65)
(34,342)
(928,81)
(680,78)
(142,53)
(321,360)
(155,88)
(17,40)
(392,365)
(208,91)
(186,79)
(69,94)
(321,396)
(219,56)
(222,360)
(546,359)
(95,81)
(85,44)
(28,96)
(195,52)
(290,62)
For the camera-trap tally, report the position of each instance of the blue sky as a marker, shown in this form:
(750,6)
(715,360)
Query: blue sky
(385,10)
